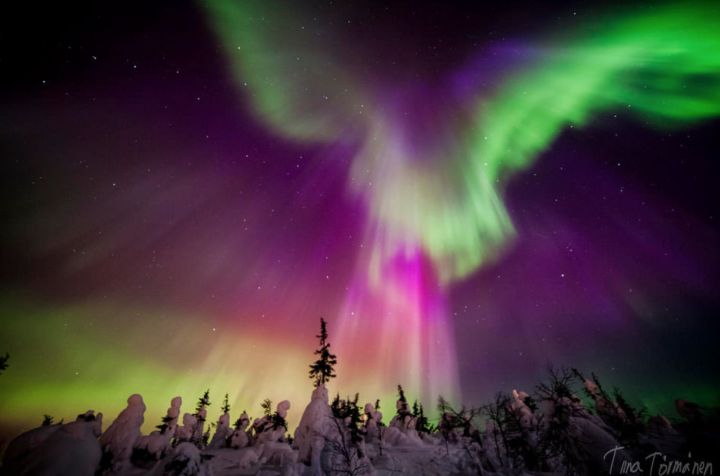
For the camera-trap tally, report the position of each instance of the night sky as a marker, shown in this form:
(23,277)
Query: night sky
(466,193)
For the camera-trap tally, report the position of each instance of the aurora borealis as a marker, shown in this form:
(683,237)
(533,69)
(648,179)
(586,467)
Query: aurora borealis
(464,194)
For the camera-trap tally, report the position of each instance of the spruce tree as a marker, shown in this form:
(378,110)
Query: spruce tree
(347,412)
(267,406)
(335,405)
(401,394)
(323,369)
(632,424)
(226,404)
(203,401)
(165,424)
(206,436)
(421,421)
(278,421)
(357,432)
(403,409)
(270,419)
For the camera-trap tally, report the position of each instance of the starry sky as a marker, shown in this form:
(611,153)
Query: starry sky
(466,193)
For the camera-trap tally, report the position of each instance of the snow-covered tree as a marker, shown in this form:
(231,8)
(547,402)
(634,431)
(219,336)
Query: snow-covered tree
(348,413)
(202,404)
(374,426)
(200,417)
(512,432)
(271,441)
(457,423)
(402,418)
(242,421)
(570,437)
(421,421)
(239,437)
(272,426)
(170,420)
(261,424)
(185,460)
(206,435)
(346,443)
(614,410)
(152,447)
(314,425)
(222,429)
(70,448)
(322,370)
(119,439)
(279,418)
(186,431)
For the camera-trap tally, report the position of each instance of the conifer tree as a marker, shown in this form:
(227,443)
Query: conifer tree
(47,420)
(403,410)
(278,421)
(357,432)
(603,393)
(335,405)
(323,369)
(348,412)
(632,423)
(226,404)
(267,407)
(206,435)
(165,424)
(421,421)
(203,401)
(238,422)
(401,394)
